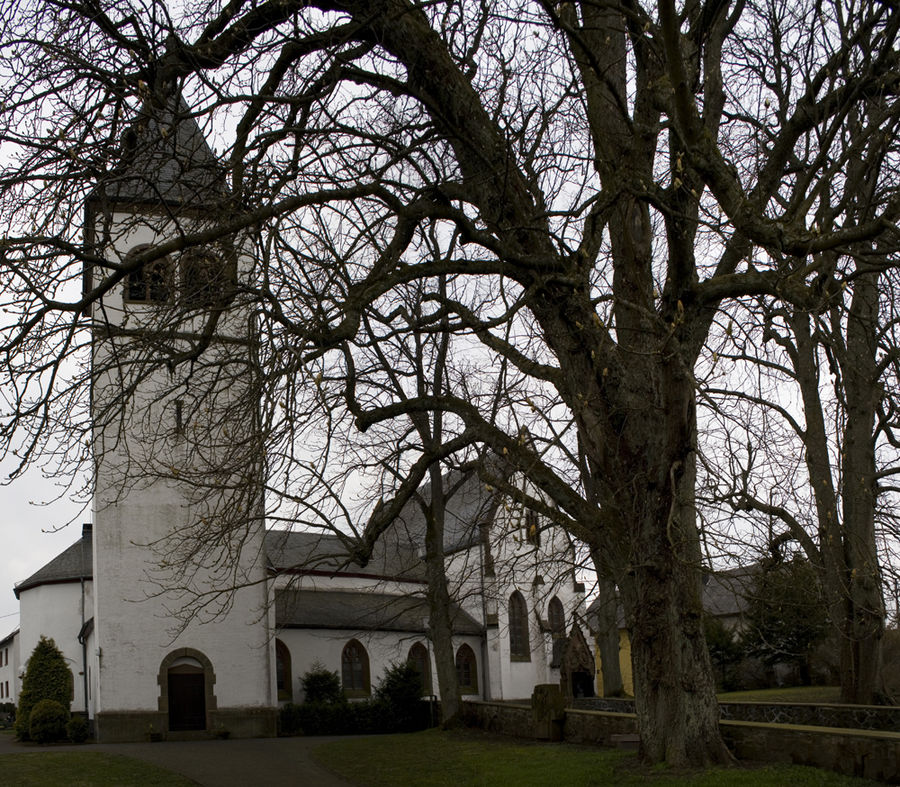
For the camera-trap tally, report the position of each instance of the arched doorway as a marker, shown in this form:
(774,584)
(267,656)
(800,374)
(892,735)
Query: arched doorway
(187,697)
(186,682)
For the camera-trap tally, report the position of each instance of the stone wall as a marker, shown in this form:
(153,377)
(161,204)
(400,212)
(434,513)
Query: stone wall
(861,717)
(867,753)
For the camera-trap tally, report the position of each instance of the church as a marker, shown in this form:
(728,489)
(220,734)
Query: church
(172,339)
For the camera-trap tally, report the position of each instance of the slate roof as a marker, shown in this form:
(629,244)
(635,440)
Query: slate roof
(361,611)
(72,564)
(724,594)
(326,554)
(165,160)
(469,504)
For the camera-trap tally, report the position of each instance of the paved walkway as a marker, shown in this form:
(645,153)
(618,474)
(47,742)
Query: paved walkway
(255,762)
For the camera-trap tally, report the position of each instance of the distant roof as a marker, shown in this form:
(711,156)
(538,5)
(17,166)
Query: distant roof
(724,594)
(326,554)
(361,611)
(470,502)
(166,160)
(74,563)
(9,637)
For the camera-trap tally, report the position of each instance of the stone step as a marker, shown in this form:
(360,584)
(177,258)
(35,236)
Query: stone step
(627,741)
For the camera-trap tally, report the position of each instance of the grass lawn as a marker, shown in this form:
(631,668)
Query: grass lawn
(826,694)
(470,757)
(81,769)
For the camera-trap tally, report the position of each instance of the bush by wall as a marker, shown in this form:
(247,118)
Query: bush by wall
(77,729)
(396,707)
(321,685)
(47,677)
(7,715)
(47,721)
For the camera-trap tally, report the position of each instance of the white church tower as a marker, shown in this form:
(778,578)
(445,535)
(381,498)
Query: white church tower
(180,641)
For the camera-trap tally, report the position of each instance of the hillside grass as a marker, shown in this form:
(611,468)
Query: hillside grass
(470,757)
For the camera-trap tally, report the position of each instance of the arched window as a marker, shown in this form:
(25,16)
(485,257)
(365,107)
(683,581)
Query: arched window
(355,670)
(466,670)
(557,617)
(418,659)
(519,645)
(283,672)
(204,277)
(150,282)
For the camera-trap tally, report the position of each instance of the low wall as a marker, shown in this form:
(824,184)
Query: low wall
(858,717)
(867,753)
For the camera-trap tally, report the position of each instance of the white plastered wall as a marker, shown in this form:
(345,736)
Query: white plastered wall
(55,611)
(138,512)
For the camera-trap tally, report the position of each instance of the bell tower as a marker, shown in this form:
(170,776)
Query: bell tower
(180,639)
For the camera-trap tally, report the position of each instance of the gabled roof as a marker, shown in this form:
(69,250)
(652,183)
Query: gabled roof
(361,611)
(165,160)
(9,637)
(75,563)
(318,553)
(470,503)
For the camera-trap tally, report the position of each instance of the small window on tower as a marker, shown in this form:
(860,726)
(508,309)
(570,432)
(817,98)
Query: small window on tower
(179,417)
(532,529)
(148,283)
(205,277)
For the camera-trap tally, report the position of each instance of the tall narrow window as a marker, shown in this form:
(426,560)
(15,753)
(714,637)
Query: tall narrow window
(532,528)
(150,282)
(355,670)
(519,645)
(466,670)
(557,617)
(419,661)
(284,679)
(179,417)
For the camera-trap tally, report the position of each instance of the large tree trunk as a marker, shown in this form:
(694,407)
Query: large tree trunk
(862,679)
(675,696)
(847,554)
(439,601)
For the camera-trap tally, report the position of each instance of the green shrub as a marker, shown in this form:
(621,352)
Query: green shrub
(47,677)
(400,694)
(77,729)
(7,715)
(397,706)
(321,685)
(289,719)
(48,721)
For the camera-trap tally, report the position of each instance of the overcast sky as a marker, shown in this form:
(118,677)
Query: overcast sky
(27,540)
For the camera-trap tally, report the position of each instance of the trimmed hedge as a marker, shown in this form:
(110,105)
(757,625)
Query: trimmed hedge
(47,722)
(396,707)
(351,718)
(77,729)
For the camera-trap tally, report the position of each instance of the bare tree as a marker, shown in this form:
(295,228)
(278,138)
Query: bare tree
(838,357)
(614,171)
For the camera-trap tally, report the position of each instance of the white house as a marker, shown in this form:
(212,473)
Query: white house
(108,601)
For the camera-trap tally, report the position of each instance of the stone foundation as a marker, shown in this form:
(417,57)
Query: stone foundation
(128,726)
